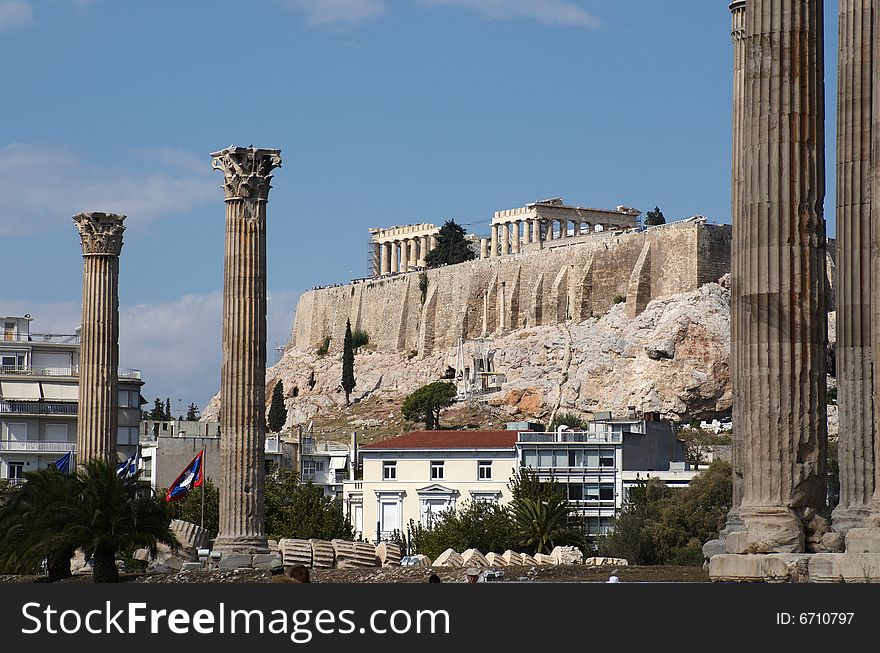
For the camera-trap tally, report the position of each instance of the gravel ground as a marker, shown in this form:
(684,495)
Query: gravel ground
(540,574)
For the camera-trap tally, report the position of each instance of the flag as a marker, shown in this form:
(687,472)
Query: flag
(63,464)
(129,468)
(190,477)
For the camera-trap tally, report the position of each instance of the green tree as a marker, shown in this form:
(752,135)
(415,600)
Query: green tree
(168,414)
(348,381)
(698,442)
(158,411)
(477,525)
(95,510)
(189,508)
(655,217)
(192,413)
(301,510)
(425,404)
(542,525)
(452,247)
(277,411)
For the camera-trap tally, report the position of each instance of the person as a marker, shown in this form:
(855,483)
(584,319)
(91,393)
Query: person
(434,578)
(472,574)
(613,577)
(291,574)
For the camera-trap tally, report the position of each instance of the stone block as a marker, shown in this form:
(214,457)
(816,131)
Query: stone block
(765,541)
(527,561)
(512,558)
(768,568)
(267,561)
(863,540)
(388,554)
(323,555)
(415,561)
(495,560)
(190,566)
(273,545)
(449,558)
(545,559)
(143,555)
(473,558)
(832,543)
(189,536)
(568,555)
(845,568)
(236,561)
(296,552)
(351,555)
(598,561)
(714,548)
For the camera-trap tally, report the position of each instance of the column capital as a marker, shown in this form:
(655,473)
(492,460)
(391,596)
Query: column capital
(100,233)
(738,30)
(247,171)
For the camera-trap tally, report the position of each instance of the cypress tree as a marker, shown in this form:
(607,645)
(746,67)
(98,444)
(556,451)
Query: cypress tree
(277,411)
(348,382)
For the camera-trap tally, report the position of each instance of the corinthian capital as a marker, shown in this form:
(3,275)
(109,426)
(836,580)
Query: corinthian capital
(100,233)
(738,9)
(247,171)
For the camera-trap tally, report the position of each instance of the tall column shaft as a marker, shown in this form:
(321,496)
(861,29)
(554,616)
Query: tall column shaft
(874,505)
(423,251)
(855,381)
(537,236)
(98,418)
(386,258)
(484,248)
(778,283)
(505,239)
(395,256)
(563,229)
(376,259)
(514,242)
(493,246)
(247,173)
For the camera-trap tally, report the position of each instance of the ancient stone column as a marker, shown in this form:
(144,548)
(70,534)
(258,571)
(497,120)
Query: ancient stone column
(484,248)
(97,422)
(855,383)
(514,242)
(413,252)
(423,252)
(505,239)
(737,34)
(386,258)
(778,283)
(563,229)
(493,247)
(536,237)
(874,505)
(247,173)
(395,256)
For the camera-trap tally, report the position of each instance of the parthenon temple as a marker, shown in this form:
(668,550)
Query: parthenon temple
(400,249)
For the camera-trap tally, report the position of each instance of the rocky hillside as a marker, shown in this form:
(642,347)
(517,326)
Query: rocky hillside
(673,359)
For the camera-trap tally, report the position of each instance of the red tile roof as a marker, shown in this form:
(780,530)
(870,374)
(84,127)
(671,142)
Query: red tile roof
(449,440)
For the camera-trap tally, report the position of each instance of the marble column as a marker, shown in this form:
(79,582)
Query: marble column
(247,173)
(577,227)
(737,35)
(97,421)
(874,505)
(505,240)
(484,248)
(514,242)
(395,257)
(387,250)
(413,252)
(493,246)
(432,243)
(537,236)
(778,284)
(423,252)
(855,383)
(563,229)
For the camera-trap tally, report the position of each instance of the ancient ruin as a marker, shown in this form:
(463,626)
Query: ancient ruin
(247,175)
(401,249)
(101,238)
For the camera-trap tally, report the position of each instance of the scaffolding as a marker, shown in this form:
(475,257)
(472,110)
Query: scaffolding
(475,372)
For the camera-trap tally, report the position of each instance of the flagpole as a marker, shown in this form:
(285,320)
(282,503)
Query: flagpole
(204,480)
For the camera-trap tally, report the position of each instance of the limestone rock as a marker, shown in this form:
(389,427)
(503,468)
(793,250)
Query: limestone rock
(273,545)
(354,554)
(296,552)
(473,558)
(512,558)
(236,561)
(143,555)
(189,536)
(267,561)
(767,540)
(606,562)
(863,540)
(528,561)
(833,543)
(714,548)
(190,566)
(388,554)
(495,560)
(568,555)
(770,568)
(449,558)
(323,555)
(845,568)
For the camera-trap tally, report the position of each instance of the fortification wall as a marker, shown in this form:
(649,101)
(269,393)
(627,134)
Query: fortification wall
(498,295)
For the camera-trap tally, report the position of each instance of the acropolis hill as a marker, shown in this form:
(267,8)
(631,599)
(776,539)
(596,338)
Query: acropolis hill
(568,279)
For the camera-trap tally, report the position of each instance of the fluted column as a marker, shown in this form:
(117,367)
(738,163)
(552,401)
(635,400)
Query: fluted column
(778,282)
(563,229)
(413,252)
(854,359)
(493,246)
(386,258)
(874,505)
(484,248)
(423,252)
(505,239)
(395,255)
(537,237)
(98,418)
(737,34)
(577,228)
(376,263)
(247,177)
(514,242)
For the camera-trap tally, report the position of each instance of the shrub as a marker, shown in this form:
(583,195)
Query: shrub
(619,299)
(324,347)
(359,338)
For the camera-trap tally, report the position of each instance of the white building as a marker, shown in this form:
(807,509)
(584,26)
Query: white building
(39,392)
(324,464)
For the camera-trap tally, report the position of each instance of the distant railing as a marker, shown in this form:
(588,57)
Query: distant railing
(37,408)
(572,436)
(122,373)
(52,338)
(37,446)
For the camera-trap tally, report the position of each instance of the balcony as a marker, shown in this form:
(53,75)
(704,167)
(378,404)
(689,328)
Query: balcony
(38,408)
(50,338)
(38,446)
(27,370)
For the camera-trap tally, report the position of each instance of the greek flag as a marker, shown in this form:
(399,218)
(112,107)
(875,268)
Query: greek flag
(129,468)
(63,464)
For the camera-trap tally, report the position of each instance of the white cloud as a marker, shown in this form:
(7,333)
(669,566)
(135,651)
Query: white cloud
(549,12)
(41,187)
(337,13)
(15,13)
(175,344)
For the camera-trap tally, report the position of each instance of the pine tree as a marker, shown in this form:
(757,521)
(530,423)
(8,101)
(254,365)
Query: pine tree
(192,413)
(348,382)
(168,414)
(452,247)
(158,412)
(655,217)
(277,411)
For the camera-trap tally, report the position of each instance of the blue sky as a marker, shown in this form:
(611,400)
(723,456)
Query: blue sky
(386,112)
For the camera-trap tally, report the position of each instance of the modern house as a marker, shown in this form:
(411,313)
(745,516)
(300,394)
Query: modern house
(39,392)
(325,464)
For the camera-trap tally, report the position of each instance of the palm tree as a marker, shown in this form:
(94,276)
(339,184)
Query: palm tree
(52,515)
(28,518)
(542,524)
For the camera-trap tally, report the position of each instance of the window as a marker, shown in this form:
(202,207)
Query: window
(576,458)
(484,470)
(576,492)
(309,467)
(127,435)
(606,458)
(389,470)
(437,471)
(530,458)
(15,471)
